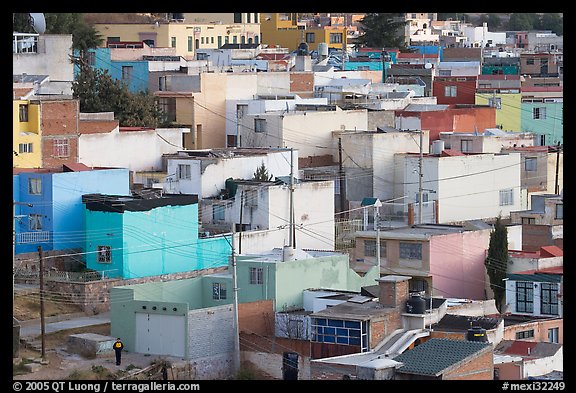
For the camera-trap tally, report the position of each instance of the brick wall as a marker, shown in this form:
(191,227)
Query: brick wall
(479,368)
(381,329)
(256,317)
(302,82)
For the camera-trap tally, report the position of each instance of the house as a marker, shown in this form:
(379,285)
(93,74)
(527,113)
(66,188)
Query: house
(45,130)
(490,140)
(533,329)
(542,225)
(434,256)
(503,93)
(544,258)
(266,206)
(135,148)
(204,172)
(453,89)
(497,64)
(542,113)
(441,118)
(494,178)
(540,63)
(414,66)
(44,54)
(521,360)
(289,31)
(148,237)
(193,318)
(50,211)
(185,36)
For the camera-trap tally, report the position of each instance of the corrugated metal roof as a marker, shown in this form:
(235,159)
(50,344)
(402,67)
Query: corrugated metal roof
(438,354)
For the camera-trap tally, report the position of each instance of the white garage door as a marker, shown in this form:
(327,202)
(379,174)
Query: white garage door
(158,334)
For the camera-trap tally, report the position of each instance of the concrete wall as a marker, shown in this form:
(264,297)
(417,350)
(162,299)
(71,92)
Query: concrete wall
(139,150)
(540,328)
(210,332)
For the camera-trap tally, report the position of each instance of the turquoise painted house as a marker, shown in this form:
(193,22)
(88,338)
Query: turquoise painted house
(542,113)
(133,237)
(133,73)
(49,210)
(193,318)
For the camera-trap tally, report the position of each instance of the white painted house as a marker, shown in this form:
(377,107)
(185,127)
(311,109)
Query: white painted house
(266,206)
(135,148)
(309,128)
(204,172)
(465,187)
(376,151)
(491,140)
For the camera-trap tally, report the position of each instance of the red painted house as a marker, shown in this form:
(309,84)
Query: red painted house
(454,89)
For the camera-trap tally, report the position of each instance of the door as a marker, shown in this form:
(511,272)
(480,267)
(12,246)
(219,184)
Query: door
(158,334)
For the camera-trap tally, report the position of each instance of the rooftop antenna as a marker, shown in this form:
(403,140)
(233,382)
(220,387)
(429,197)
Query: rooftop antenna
(38,23)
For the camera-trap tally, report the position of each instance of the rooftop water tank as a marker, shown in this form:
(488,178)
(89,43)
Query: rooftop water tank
(477,333)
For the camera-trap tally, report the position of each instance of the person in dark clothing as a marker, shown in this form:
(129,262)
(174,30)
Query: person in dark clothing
(118,347)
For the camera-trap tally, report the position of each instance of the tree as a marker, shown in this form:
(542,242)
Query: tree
(261,173)
(99,92)
(492,20)
(523,21)
(382,31)
(497,262)
(553,22)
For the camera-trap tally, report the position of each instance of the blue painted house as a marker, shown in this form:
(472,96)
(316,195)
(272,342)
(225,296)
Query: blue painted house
(132,237)
(542,113)
(55,219)
(134,73)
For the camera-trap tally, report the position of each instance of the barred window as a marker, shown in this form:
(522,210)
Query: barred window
(506,197)
(411,251)
(256,275)
(218,291)
(104,254)
(61,148)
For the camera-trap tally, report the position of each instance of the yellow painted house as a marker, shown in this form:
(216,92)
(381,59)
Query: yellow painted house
(26,145)
(284,30)
(185,37)
(508,107)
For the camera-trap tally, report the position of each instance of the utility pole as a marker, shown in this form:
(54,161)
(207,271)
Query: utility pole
(377,225)
(342,179)
(420,180)
(240,233)
(556,185)
(235,301)
(292,241)
(42,324)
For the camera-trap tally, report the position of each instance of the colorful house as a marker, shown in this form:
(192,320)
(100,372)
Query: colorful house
(26,146)
(542,113)
(132,237)
(55,219)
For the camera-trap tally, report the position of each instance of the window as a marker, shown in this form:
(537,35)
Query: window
(410,250)
(34,186)
(335,38)
(25,148)
(539,113)
(524,297)
(528,220)
(256,275)
(173,42)
(191,43)
(529,61)
(466,146)
(218,212)
(259,125)
(417,285)
(234,39)
(337,331)
(444,72)
(495,102)
(310,38)
(370,248)
(23,112)
(104,254)
(506,197)
(450,91)
(553,335)
(559,211)
(549,299)
(60,148)
(525,334)
(184,172)
(424,197)
(218,291)
(168,107)
(35,222)
(530,164)
(238,17)
(91,58)
(127,73)
(150,43)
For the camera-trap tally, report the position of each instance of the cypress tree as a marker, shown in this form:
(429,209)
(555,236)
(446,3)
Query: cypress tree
(497,262)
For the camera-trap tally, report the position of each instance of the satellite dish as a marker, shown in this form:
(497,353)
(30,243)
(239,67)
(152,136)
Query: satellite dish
(427,66)
(38,23)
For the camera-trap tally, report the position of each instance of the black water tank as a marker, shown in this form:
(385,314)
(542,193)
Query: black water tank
(477,333)
(290,366)
(416,305)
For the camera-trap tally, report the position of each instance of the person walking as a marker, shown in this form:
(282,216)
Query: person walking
(118,347)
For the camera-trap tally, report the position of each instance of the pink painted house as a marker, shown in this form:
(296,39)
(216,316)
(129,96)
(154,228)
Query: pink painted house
(447,258)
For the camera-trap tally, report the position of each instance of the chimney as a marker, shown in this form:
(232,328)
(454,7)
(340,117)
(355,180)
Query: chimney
(393,290)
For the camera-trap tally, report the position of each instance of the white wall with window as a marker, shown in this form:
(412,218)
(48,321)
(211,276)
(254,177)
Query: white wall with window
(530,295)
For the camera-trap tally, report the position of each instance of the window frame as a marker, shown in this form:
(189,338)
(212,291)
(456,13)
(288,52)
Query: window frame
(524,289)
(104,254)
(412,254)
(35,186)
(256,276)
